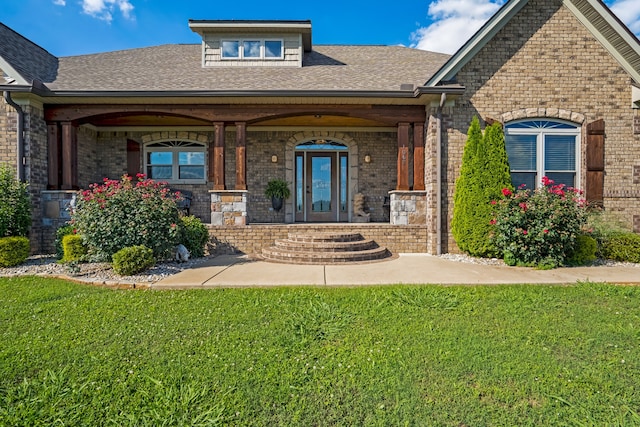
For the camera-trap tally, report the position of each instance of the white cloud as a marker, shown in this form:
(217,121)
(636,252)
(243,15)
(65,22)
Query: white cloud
(629,12)
(60,2)
(454,22)
(103,9)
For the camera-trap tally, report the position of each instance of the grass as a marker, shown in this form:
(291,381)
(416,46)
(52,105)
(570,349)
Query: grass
(396,355)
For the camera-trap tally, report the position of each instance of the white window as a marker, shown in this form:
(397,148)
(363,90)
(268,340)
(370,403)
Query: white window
(251,49)
(175,161)
(538,148)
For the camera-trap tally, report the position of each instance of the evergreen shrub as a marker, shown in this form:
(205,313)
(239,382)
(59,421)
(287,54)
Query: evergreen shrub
(119,214)
(132,260)
(483,174)
(623,247)
(73,248)
(14,250)
(584,251)
(60,233)
(193,235)
(15,207)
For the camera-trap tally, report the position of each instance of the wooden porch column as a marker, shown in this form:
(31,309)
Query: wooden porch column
(241,156)
(217,160)
(69,156)
(403,157)
(418,156)
(53,153)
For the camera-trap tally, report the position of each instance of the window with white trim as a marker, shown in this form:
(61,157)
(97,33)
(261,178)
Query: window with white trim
(542,147)
(175,161)
(252,49)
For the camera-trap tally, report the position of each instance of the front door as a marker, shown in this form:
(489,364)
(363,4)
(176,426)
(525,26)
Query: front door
(321,183)
(321,193)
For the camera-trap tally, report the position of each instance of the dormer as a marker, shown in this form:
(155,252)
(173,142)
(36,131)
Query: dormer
(253,43)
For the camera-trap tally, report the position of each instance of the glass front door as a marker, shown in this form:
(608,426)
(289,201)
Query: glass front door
(321,194)
(321,185)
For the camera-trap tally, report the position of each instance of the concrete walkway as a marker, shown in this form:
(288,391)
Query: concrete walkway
(239,271)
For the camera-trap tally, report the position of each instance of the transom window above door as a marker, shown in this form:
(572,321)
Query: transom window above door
(175,161)
(538,148)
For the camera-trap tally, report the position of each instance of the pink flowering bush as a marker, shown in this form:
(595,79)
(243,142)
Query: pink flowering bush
(538,227)
(122,213)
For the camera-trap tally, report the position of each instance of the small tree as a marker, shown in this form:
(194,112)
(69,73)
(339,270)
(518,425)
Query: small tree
(483,175)
(15,207)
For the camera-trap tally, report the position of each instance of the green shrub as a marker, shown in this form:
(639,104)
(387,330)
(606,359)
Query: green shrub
(539,228)
(584,251)
(132,260)
(13,250)
(193,235)
(120,214)
(483,175)
(73,248)
(602,225)
(622,247)
(60,233)
(15,207)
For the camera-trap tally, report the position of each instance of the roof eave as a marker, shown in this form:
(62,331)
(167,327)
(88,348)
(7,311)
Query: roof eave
(257,93)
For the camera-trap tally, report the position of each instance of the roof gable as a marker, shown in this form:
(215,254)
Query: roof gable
(24,61)
(593,14)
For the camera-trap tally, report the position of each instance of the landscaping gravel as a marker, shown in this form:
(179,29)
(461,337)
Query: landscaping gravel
(96,272)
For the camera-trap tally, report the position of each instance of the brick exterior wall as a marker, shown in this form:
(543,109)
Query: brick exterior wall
(36,174)
(544,63)
(8,134)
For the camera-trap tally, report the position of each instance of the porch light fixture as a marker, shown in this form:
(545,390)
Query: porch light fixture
(367,159)
(274,159)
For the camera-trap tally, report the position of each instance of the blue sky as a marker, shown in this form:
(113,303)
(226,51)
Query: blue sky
(74,27)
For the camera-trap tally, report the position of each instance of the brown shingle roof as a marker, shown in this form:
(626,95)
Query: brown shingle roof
(179,68)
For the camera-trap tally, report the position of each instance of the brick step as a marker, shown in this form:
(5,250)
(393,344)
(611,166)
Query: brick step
(325,237)
(309,257)
(326,246)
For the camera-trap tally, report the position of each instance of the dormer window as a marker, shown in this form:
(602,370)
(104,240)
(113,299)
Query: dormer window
(251,49)
(253,43)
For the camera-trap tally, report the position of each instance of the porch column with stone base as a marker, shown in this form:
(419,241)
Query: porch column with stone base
(408,207)
(229,207)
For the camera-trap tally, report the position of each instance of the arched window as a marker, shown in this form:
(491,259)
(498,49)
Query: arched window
(538,148)
(175,161)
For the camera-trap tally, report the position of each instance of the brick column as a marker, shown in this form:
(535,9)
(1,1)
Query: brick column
(241,156)
(216,162)
(403,157)
(69,157)
(53,153)
(418,156)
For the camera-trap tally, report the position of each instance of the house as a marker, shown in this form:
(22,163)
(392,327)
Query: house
(257,100)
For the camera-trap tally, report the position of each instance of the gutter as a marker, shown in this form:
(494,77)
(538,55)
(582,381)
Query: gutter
(20,142)
(443,99)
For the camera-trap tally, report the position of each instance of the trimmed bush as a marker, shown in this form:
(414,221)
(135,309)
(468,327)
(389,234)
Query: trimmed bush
(623,247)
(483,175)
(60,233)
(132,260)
(13,250)
(73,248)
(193,235)
(584,251)
(120,214)
(15,207)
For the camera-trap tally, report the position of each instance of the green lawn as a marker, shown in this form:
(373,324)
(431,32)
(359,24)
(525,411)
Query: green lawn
(397,355)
